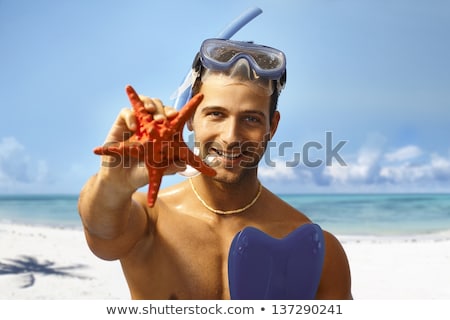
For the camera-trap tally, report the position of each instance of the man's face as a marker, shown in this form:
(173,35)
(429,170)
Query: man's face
(232,125)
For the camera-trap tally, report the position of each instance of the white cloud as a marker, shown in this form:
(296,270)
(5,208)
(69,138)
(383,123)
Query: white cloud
(436,170)
(403,154)
(363,170)
(406,173)
(441,167)
(17,168)
(401,170)
(279,171)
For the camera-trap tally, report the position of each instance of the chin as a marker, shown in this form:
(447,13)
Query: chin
(231,175)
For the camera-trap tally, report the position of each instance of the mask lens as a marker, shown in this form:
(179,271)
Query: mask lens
(220,54)
(267,61)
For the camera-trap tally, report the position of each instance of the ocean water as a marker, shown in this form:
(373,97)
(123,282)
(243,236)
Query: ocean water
(43,210)
(376,214)
(343,214)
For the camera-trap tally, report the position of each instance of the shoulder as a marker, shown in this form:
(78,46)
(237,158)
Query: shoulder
(275,216)
(335,282)
(271,200)
(173,195)
(280,208)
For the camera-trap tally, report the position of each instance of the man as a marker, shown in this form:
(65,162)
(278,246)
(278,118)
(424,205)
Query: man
(179,248)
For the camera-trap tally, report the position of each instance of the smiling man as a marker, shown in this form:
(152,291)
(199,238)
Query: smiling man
(179,248)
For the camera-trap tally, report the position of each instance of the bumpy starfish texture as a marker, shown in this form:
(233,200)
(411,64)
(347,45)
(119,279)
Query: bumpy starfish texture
(157,143)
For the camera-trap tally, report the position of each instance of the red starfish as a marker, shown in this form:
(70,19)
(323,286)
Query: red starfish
(157,143)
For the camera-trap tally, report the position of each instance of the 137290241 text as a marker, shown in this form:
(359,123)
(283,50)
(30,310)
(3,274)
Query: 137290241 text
(306,309)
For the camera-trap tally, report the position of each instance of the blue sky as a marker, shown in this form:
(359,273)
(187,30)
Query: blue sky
(374,74)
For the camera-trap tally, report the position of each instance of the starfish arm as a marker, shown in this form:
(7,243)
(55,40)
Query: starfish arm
(142,116)
(115,150)
(126,148)
(104,151)
(195,161)
(155,177)
(187,111)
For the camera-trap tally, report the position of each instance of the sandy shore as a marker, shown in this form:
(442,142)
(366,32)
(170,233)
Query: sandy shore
(51,263)
(399,268)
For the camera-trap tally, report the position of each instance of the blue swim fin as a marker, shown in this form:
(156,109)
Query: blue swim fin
(262,267)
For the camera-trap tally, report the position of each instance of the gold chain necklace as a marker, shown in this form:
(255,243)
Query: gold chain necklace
(217,211)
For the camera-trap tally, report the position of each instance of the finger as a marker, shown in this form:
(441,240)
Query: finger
(170,112)
(149,105)
(159,114)
(123,127)
(127,117)
(154,106)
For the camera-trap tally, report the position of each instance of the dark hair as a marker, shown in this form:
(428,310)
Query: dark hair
(273,98)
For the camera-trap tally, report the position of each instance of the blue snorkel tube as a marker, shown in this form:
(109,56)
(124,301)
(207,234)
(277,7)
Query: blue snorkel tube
(183,93)
(239,22)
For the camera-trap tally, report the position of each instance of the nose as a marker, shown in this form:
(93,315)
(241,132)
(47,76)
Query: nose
(230,133)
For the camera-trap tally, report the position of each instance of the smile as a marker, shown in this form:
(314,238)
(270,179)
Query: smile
(227,155)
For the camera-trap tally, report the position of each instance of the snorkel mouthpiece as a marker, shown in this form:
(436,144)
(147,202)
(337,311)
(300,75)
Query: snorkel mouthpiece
(210,160)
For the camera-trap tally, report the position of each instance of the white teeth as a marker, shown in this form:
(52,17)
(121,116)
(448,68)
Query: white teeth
(227,155)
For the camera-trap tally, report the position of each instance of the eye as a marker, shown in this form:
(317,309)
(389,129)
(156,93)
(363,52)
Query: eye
(215,114)
(252,119)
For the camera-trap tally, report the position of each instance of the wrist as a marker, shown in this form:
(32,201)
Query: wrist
(115,182)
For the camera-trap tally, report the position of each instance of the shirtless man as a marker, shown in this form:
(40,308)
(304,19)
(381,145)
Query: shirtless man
(179,248)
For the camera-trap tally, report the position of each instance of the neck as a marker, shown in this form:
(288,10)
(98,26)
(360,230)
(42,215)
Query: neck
(226,198)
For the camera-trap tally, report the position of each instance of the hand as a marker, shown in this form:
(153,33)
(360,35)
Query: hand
(126,124)
(127,169)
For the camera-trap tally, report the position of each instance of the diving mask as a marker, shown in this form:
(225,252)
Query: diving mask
(252,61)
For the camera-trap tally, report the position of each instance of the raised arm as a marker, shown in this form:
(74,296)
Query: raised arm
(114,217)
(109,208)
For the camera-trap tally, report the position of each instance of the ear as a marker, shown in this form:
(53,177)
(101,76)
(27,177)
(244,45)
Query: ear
(189,124)
(274,123)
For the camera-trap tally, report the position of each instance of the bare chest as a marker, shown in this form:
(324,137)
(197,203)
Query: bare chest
(189,262)
(187,257)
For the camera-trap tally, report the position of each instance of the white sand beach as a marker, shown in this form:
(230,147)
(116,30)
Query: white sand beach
(52,263)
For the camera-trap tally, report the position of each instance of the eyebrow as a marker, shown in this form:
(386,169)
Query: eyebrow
(212,108)
(219,108)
